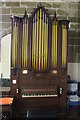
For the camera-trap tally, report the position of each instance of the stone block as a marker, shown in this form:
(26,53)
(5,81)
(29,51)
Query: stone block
(71,49)
(75,25)
(78,57)
(51,11)
(78,5)
(72,12)
(73,41)
(18,10)
(5,18)
(45,4)
(73,58)
(77,48)
(62,17)
(64,6)
(29,4)
(74,19)
(30,10)
(4,10)
(5,26)
(0,3)
(56,4)
(61,12)
(12,4)
(73,34)
(73,5)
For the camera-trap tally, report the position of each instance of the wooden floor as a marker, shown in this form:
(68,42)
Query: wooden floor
(73,113)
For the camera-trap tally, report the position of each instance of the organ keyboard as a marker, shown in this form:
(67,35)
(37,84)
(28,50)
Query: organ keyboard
(39,95)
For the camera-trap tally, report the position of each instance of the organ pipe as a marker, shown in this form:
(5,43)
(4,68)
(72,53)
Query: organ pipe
(25,43)
(46,42)
(42,39)
(37,40)
(54,45)
(64,45)
(15,43)
(33,44)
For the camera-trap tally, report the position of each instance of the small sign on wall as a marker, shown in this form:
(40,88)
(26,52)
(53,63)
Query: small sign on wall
(14,81)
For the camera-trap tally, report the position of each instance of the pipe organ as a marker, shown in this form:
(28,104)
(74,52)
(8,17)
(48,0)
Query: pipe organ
(39,60)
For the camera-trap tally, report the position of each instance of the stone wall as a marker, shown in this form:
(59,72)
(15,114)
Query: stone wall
(70,9)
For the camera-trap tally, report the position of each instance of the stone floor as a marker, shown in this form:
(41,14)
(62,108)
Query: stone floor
(73,113)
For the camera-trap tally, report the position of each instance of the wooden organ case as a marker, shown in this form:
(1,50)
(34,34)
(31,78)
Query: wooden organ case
(39,60)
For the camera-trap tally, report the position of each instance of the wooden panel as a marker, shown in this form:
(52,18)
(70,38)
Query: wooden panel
(33,103)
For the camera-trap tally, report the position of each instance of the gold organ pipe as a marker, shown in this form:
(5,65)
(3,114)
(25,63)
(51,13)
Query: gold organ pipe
(27,44)
(23,46)
(45,43)
(16,43)
(54,45)
(37,40)
(33,45)
(24,41)
(13,46)
(64,45)
(40,40)
(56,48)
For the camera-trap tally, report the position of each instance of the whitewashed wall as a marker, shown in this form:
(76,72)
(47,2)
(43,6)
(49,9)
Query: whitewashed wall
(0,69)
(73,68)
(74,71)
(5,56)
